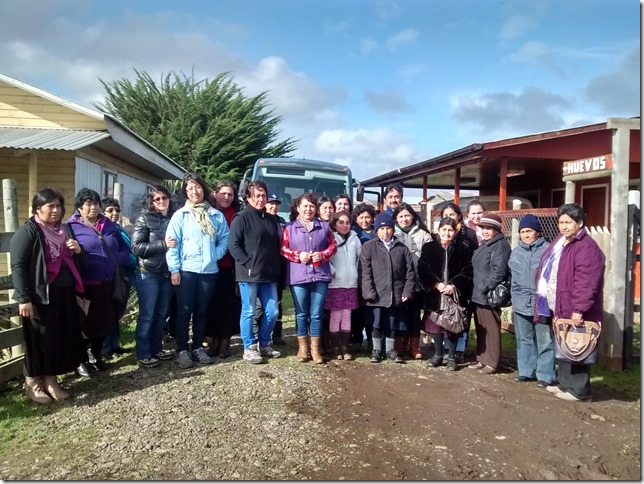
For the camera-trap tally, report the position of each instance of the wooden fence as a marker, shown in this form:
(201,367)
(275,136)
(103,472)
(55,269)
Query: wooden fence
(11,339)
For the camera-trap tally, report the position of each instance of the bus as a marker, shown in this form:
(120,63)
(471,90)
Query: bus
(291,177)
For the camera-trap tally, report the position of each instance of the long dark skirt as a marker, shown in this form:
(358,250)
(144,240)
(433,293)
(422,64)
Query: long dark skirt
(103,316)
(53,339)
(225,307)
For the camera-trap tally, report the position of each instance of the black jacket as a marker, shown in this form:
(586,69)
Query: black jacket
(459,271)
(385,275)
(254,243)
(28,265)
(490,264)
(148,241)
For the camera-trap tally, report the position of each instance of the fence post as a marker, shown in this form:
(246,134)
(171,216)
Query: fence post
(10,207)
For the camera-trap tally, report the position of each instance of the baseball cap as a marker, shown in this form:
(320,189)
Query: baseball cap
(273,198)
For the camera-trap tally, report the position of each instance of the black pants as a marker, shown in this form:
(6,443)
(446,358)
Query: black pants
(359,321)
(574,379)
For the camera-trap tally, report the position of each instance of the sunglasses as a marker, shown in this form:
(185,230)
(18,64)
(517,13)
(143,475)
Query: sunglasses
(110,210)
(159,199)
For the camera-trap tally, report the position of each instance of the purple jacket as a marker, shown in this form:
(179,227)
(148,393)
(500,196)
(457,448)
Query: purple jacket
(580,278)
(98,264)
(296,239)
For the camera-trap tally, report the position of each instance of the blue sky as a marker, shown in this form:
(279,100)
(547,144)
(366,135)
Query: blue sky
(375,84)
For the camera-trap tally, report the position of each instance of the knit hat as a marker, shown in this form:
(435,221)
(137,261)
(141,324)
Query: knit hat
(491,220)
(530,222)
(383,219)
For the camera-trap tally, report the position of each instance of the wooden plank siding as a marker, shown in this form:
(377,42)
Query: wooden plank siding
(21,108)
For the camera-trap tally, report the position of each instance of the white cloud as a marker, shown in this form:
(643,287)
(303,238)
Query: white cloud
(386,10)
(367,45)
(516,26)
(617,90)
(387,102)
(402,38)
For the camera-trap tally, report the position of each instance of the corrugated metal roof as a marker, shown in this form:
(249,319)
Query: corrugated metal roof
(48,138)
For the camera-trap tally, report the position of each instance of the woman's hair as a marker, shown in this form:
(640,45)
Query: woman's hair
(86,195)
(149,206)
(340,197)
(336,216)
(200,181)
(109,202)
(227,183)
(309,197)
(573,210)
(416,219)
(456,210)
(447,221)
(476,201)
(323,199)
(46,195)
(364,207)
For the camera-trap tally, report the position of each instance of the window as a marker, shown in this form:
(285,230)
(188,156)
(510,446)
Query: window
(109,179)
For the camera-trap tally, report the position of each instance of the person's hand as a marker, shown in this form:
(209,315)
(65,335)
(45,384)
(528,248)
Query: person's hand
(73,245)
(305,257)
(316,257)
(577,319)
(448,290)
(440,286)
(26,310)
(175,278)
(170,242)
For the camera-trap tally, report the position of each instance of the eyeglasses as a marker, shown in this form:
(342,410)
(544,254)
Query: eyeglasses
(110,210)
(159,199)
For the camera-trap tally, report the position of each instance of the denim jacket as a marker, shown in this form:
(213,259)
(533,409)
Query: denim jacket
(523,264)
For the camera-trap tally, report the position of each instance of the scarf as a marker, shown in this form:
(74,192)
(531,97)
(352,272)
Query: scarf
(55,237)
(405,229)
(200,212)
(307,224)
(544,277)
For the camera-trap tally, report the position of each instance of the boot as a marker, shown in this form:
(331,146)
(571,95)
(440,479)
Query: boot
(316,343)
(54,389)
(414,348)
(303,349)
(398,345)
(35,391)
(213,346)
(335,345)
(405,350)
(224,348)
(345,337)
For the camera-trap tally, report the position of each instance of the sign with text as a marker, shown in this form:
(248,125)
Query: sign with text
(588,165)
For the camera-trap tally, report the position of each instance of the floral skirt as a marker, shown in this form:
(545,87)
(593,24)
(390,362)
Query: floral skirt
(341,298)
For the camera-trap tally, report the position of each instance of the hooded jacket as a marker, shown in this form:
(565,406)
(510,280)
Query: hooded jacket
(523,264)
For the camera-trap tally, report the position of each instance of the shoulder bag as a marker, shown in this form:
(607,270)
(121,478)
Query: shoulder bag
(576,344)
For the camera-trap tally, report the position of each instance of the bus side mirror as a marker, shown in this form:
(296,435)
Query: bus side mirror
(359,192)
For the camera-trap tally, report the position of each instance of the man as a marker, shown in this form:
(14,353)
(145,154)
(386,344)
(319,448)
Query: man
(393,197)
(254,243)
(272,206)
(475,210)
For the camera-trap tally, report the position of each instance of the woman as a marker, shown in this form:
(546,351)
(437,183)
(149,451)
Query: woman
(111,208)
(445,268)
(342,296)
(325,209)
(363,217)
(201,233)
(308,245)
(388,282)
(467,236)
(570,285)
(225,306)
(46,278)
(342,202)
(490,265)
(150,244)
(535,348)
(106,252)
(414,234)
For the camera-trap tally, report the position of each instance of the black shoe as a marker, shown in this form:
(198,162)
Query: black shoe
(543,384)
(120,350)
(375,356)
(98,362)
(82,370)
(451,364)
(393,356)
(436,361)
(460,357)
(522,379)
(278,341)
(107,356)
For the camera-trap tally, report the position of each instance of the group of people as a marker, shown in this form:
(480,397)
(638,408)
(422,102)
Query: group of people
(351,272)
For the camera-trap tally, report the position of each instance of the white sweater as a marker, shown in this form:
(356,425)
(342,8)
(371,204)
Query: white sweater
(344,264)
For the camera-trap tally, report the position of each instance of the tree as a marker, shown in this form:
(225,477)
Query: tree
(208,127)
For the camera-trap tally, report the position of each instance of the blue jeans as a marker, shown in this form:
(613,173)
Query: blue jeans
(267,294)
(155,292)
(193,297)
(535,349)
(308,299)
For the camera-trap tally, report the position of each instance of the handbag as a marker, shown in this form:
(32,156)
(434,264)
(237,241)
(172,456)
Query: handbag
(120,287)
(451,317)
(576,344)
(500,296)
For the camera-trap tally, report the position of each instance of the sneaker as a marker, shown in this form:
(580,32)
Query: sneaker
(522,379)
(252,355)
(543,384)
(395,357)
(451,364)
(164,355)
(571,398)
(268,352)
(478,366)
(279,341)
(488,370)
(554,389)
(202,357)
(184,360)
(375,356)
(436,361)
(150,362)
